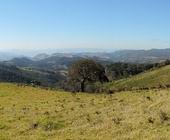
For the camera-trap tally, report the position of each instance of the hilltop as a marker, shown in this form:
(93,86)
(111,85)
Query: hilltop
(29,113)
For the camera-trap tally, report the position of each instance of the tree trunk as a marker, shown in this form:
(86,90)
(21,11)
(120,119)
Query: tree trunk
(82,86)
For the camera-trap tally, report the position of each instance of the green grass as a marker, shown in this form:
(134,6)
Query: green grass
(150,79)
(28,113)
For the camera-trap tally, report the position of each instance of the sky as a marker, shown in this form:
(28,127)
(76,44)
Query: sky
(84,24)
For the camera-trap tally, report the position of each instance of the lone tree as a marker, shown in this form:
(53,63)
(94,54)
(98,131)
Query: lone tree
(86,70)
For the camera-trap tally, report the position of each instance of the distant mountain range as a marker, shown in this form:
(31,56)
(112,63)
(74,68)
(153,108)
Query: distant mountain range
(141,56)
(7,56)
(133,56)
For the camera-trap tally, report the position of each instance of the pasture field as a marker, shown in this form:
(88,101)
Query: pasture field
(28,113)
(158,78)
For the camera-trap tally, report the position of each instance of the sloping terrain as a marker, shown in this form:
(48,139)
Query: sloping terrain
(158,78)
(140,56)
(55,62)
(132,56)
(50,63)
(28,113)
(11,73)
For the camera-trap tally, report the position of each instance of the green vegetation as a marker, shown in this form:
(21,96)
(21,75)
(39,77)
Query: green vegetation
(76,74)
(29,113)
(85,71)
(116,71)
(31,76)
(158,78)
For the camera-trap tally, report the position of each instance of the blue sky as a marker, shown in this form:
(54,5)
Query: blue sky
(102,24)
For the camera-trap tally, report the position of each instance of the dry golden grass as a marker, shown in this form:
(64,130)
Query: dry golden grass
(28,113)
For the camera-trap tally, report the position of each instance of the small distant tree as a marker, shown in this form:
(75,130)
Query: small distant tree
(84,71)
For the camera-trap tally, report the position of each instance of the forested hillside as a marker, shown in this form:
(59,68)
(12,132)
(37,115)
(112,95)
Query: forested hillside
(11,73)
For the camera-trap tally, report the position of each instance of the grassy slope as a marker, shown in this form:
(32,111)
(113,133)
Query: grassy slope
(149,79)
(28,113)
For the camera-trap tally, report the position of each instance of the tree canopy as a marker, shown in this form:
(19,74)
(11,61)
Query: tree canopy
(86,70)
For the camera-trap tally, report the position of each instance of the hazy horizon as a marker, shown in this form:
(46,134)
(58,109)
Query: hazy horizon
(32,52)
(91,25)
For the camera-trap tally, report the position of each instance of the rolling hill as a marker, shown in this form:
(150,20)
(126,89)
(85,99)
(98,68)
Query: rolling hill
(29,113)
(55,62)
(132,56)
(158,78)
(12,73)
(129,56)
(140,56)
